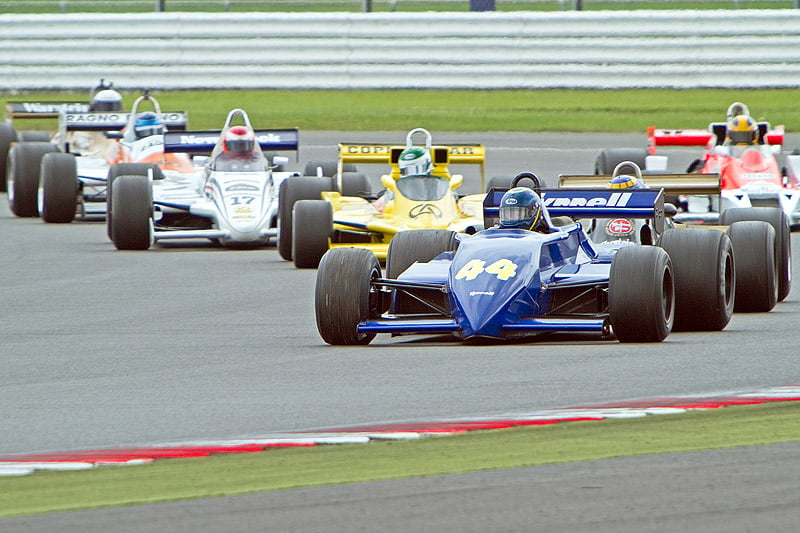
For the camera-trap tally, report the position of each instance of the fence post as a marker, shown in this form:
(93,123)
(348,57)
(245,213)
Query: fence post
(481,5)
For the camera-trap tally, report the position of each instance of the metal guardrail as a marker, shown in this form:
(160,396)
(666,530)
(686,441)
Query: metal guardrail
(481,50)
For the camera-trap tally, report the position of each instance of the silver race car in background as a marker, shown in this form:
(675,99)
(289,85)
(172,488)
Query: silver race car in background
(231,198)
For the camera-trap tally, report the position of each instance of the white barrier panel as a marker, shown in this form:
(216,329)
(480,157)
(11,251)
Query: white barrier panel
(486,50)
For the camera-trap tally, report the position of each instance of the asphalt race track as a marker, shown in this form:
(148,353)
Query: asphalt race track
(184,342)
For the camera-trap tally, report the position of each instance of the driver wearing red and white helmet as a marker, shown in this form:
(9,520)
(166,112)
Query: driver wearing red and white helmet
(239,140)
(240,151)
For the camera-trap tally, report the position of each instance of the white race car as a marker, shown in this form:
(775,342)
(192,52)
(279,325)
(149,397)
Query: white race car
(231,198)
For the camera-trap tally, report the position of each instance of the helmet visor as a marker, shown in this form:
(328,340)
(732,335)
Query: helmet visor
(512,215)
(741,137)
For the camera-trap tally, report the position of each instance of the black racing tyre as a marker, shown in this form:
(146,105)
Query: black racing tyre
(8,135)
(24,168)
(58,194)
(705,278)
(641,296)
(422,245)
(133,213)
(311,236)
(783,244)
(756,272)
(291,190)
(611,157)
(499,182)
(355,184)
(33,136)
(329,168)
(126,169)
(344,296)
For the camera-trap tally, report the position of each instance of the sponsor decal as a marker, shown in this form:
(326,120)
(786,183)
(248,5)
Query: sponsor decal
(481,293)
(242,209)
(268,138)
(116,118)
(41,107)
(620,227)
(96,118)
(198,139)
(511,201)
(462,150)
(425,209)
(367,149)
(616,199)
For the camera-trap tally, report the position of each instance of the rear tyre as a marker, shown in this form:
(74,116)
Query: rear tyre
(133,213)
(641,297)
(344,296)
(611,157)
(783,244)
(34,136)
(499,182)
(756,275)
(8,135)
(58,194)
(705,281)
(355,184)
(410,246)
(312,235)
(292,190)
(24,168)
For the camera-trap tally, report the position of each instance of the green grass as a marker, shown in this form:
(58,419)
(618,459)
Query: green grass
(501,110)
(484,450)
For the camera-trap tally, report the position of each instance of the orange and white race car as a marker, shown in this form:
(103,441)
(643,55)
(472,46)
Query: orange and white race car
(67,177)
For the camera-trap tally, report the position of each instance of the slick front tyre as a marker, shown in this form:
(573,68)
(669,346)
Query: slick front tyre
(58,192)
(24,168)
(705,283)
(344,296)
(783,244)
(641,297)
(8,135)
(133,213)
(756,273)
(126,169)
(291,190)
(311,236)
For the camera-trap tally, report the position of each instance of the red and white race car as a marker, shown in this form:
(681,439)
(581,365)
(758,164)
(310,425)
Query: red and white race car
(750,174)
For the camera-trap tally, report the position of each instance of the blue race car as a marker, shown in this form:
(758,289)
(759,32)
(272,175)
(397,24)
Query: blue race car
(509,282)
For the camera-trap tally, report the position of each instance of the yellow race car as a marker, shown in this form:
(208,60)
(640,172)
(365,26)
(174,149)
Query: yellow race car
(318,213)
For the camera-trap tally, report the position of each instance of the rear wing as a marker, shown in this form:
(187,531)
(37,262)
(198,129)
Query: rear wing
(673,184)
(43,109)
(589,203)
(203,142)
(116,121)
(715,134)
(442,155)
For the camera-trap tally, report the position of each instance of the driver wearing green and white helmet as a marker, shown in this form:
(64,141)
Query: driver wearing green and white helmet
(415,161)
